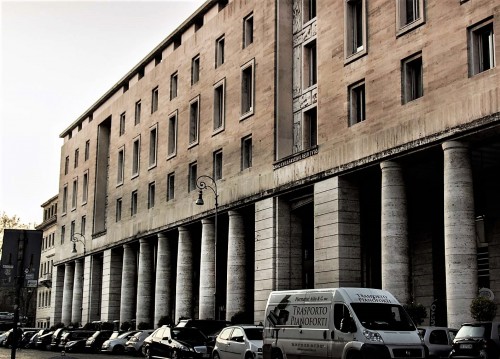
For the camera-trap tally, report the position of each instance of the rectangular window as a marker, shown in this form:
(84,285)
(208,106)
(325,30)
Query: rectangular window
(87,150)
(481,47)
(75,194)
(195,69)
(219,110)
(310,128)
(309,10)
(192,176)
(66,165)
(133,203)
(137,115)
(122,124)
(136,157)
(357,103)
(63,233)
(173,86)
(151,194)
(153,146)
(247,86)
(121,166)
(194,120)
(246,152)
(118,210)
(85,189)
(154,100)
(310,64)
(247,30)
(219,51)
(77,154)
(72,230)
(83,224)
(217,163)
(172,135)
(409,14)
(412,77)
(170,186)
(355,28)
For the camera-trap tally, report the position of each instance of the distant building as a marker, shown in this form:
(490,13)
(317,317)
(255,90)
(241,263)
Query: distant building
(353,143)
(44,291)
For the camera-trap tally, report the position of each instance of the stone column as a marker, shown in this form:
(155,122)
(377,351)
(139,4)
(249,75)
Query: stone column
(207,271)
(129,274)
(394,233)
(56,294)
(144,283)
(67,301)
(236,266)
(184,285)
(76,313)
(459,233)
(111,284)
(163,288)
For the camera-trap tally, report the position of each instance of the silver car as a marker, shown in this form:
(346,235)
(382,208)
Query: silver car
(134,344)
(239,342)
(116,345)
(438,340)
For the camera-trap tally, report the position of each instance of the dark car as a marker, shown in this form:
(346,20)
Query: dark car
(477,340)
(176,343)
(209,327)
(438,340)
(69,339)
(43,341)
(25,338)
(32,342)
(56,338)
(94,343)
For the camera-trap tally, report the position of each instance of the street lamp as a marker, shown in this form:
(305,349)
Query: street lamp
(202,185)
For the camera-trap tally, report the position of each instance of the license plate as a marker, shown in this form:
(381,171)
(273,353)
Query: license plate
(465,346)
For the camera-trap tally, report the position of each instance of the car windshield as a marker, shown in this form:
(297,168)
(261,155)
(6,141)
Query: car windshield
(188,335)
(254,333)
(474,331)
(125,335)
(379,316)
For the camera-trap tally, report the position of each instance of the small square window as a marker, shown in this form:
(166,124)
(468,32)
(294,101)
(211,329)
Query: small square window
(246,152)
(219,51)
(310,128)
(122,123)
(137,112)
(310,64)
(133,203)
(195,69)
(357,103)
(247,89)
(409,14)
(481,47)
(154,100)
(412,77)
(118,210)
(151,195)
(192,176)
(172,135)
(194,121)
(309,10)
(173,86)
(247,30)
(170,186)
(217,160)
(219,110)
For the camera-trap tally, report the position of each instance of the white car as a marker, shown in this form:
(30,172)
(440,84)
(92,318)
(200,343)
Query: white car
(134,344)
(239,342)
(117,345)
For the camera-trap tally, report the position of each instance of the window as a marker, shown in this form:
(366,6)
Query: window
(409,14)
(136,157)
(151,194)
(153,145)
(412,76)
(72,230)
(170,186)
(217,161)
(481,47)
(219,51)
(85,189)
(118,210)
(63,233)
(355,28)
(66,165)
(247,30)
(154,100)
(192,176)
(247,85)
(137,118)
(246,152)
(133,203)
(309,9)
(122,123)
(172,135)
(77,154)
(310,64)
(309,130)
(219,110)
(173,86)
(121,166)
(158,59)
(83,224)
(87,150)
(195,69)
(75,194)
(356,103)
(194,120)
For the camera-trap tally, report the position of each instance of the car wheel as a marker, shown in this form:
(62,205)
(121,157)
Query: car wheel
(276,354)
(248,356)
(118,349)
(175,355)
(138,353)
(216,355)
(147,354)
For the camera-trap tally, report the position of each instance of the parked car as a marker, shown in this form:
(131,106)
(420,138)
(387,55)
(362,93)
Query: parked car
(74,341)
(239,342)
(56,338)
(4,336)
(43,341)
(209,327)
(25,338)
(176,343)
(477,340)
(117,345)
(10,337)
(32,342)
(94,343)
(134,344)
(438,340)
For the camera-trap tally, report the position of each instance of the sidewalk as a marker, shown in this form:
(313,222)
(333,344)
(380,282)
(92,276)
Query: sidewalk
(39,354)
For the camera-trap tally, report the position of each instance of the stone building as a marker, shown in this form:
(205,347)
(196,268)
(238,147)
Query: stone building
(48,251)
(351,143)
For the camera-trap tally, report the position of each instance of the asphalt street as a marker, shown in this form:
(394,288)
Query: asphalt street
(38,354)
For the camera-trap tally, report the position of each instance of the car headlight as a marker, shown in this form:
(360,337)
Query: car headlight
(185,348)
(372,336)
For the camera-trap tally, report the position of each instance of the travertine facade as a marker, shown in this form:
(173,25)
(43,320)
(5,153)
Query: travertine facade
(351,143)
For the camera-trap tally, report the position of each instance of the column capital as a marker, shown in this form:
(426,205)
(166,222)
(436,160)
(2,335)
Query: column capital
(389,164)
(449,145)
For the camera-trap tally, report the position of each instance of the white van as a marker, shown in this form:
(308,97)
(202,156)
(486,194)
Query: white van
(347,323)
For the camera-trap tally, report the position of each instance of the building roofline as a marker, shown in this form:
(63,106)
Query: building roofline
(49,200)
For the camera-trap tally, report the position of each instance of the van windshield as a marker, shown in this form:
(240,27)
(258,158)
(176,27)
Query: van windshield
(379,316)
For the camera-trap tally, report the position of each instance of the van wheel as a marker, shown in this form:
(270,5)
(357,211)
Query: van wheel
(248,356)
(276,354)
(216,355)
(354,355)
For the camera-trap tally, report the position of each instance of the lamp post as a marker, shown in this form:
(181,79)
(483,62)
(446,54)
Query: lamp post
(74,239)
(202,185)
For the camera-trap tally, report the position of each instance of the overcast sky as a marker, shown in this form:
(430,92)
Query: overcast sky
(57,59)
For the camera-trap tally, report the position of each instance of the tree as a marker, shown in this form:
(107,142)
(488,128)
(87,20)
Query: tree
(483,309)
(10,222)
